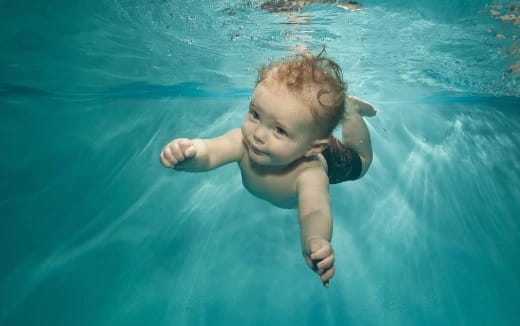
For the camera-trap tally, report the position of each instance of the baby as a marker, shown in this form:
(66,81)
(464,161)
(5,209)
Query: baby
(285,148)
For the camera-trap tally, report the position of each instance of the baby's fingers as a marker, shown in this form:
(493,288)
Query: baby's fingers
(167,158)
(176,151)
(186,148)
(325,264)
(322,253)
(325,277)
(190,152)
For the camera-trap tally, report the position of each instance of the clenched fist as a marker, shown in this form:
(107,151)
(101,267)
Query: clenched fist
(177,151)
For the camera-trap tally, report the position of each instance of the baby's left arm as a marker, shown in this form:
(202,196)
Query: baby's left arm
(316,222)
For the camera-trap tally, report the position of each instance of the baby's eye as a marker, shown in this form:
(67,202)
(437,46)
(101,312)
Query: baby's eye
(280,131)
(254,114)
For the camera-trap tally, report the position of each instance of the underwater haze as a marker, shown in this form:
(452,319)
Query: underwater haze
(95,231)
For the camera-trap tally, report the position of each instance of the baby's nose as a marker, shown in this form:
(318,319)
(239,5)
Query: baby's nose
(259,134)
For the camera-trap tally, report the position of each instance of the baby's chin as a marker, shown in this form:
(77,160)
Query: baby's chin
(258,158)
(265,160)
(273,165)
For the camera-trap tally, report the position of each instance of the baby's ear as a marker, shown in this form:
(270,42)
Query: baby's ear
(317,147)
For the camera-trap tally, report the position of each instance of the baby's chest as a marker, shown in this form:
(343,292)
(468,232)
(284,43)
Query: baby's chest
(277,189)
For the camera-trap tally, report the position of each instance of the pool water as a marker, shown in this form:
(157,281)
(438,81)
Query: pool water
(96,232)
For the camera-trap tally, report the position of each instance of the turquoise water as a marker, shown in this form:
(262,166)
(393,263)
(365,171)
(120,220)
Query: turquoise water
(96,232)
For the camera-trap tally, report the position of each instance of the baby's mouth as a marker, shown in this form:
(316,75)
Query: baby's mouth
(255,149)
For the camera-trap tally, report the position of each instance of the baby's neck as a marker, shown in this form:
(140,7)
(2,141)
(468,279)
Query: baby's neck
(276,169)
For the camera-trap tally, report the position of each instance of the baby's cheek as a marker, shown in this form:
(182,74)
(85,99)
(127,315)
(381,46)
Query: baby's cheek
(244,129)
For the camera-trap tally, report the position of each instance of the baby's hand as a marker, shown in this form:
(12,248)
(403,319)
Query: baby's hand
(319,256)
(363,108)
(177,151)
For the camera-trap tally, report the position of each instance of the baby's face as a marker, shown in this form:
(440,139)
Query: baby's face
(278,128)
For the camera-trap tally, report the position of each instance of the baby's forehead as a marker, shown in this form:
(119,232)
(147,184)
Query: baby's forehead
(306,88)
(308,95)
(276,89)
(279,101)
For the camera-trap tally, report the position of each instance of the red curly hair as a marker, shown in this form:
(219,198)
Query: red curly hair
(319,75)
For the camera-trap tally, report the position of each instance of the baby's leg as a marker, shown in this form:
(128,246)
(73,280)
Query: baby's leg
(354,130)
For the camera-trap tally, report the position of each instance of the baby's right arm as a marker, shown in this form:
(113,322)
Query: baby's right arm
(203,154)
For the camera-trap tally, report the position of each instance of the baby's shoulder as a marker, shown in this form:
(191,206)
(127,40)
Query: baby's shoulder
(235,135)
(312,170)
(235,140)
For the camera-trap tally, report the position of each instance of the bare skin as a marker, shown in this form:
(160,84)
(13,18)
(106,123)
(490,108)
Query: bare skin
(281,162)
